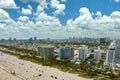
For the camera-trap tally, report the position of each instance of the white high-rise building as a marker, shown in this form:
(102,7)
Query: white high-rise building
(110,56)
(83,53)
(109,62)
(97,55)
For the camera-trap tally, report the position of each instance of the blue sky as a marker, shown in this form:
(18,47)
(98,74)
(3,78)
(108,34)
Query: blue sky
(59,18)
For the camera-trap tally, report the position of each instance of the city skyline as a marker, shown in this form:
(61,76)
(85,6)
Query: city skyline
(23,19)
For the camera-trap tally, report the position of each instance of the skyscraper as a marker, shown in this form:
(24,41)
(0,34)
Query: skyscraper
(113,55)
(109,62)
(97,55)
(66,53)
(38,51)
(45,51)
(83,53)
(117,55)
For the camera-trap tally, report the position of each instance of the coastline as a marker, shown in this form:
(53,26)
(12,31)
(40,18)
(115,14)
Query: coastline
(27,70)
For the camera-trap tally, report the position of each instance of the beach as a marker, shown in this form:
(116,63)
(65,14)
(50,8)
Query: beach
(12,68)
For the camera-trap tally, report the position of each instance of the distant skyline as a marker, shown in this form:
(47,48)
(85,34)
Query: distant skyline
(23,19)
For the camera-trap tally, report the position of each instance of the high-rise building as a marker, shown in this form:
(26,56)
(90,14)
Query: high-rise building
(109,62)
(113,55)
(38,51)
(83,53)
(104,40)
(35,38)
(97,55)
(46,51)
(72,52)
(66,53)
(117,55)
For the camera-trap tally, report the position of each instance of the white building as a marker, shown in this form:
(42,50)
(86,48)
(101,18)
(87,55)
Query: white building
(113,55)
(83,53)
(109,62)
(97,55)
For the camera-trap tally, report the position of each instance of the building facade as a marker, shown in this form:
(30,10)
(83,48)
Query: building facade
(38,51)
(66,53)
(45,52)
(109,62)
(83,53)
(97,55)
(110,56)
(113,55)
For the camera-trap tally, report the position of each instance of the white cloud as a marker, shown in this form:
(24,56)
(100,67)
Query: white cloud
(101,26)
(115,14)
(23,18)
(85,14)
(49,26)
(60,10)
(43,3)
(4,16)
(7,4)
(59,7)
(26,11)
(55,4)
(98,14)
(117,0)
(29,7)
(63,0)
(46,19)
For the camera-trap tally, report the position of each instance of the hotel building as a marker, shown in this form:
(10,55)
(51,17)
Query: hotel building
(66,53)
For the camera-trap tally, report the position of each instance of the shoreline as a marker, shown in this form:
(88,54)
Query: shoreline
(30,70)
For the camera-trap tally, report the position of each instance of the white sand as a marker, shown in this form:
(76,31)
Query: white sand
(30,71)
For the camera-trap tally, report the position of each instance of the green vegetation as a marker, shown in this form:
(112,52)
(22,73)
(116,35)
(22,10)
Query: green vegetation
(100,64)
(24,51)
(66,66)
(85,69)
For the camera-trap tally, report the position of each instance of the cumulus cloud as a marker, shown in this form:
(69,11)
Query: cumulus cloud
(43,3)
(101,26)
(115,14)
(60,10)
(63,0)
(4,16)
(44,25)
(23,18)
(26,11)
(29,7)
(59,7)
(46,19)
(117,1)
(55,4)
(7,4)
(98,14)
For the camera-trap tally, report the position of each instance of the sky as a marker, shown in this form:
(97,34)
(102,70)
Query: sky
(58,19)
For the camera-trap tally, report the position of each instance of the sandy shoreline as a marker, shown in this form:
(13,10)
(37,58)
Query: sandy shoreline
(12,68)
